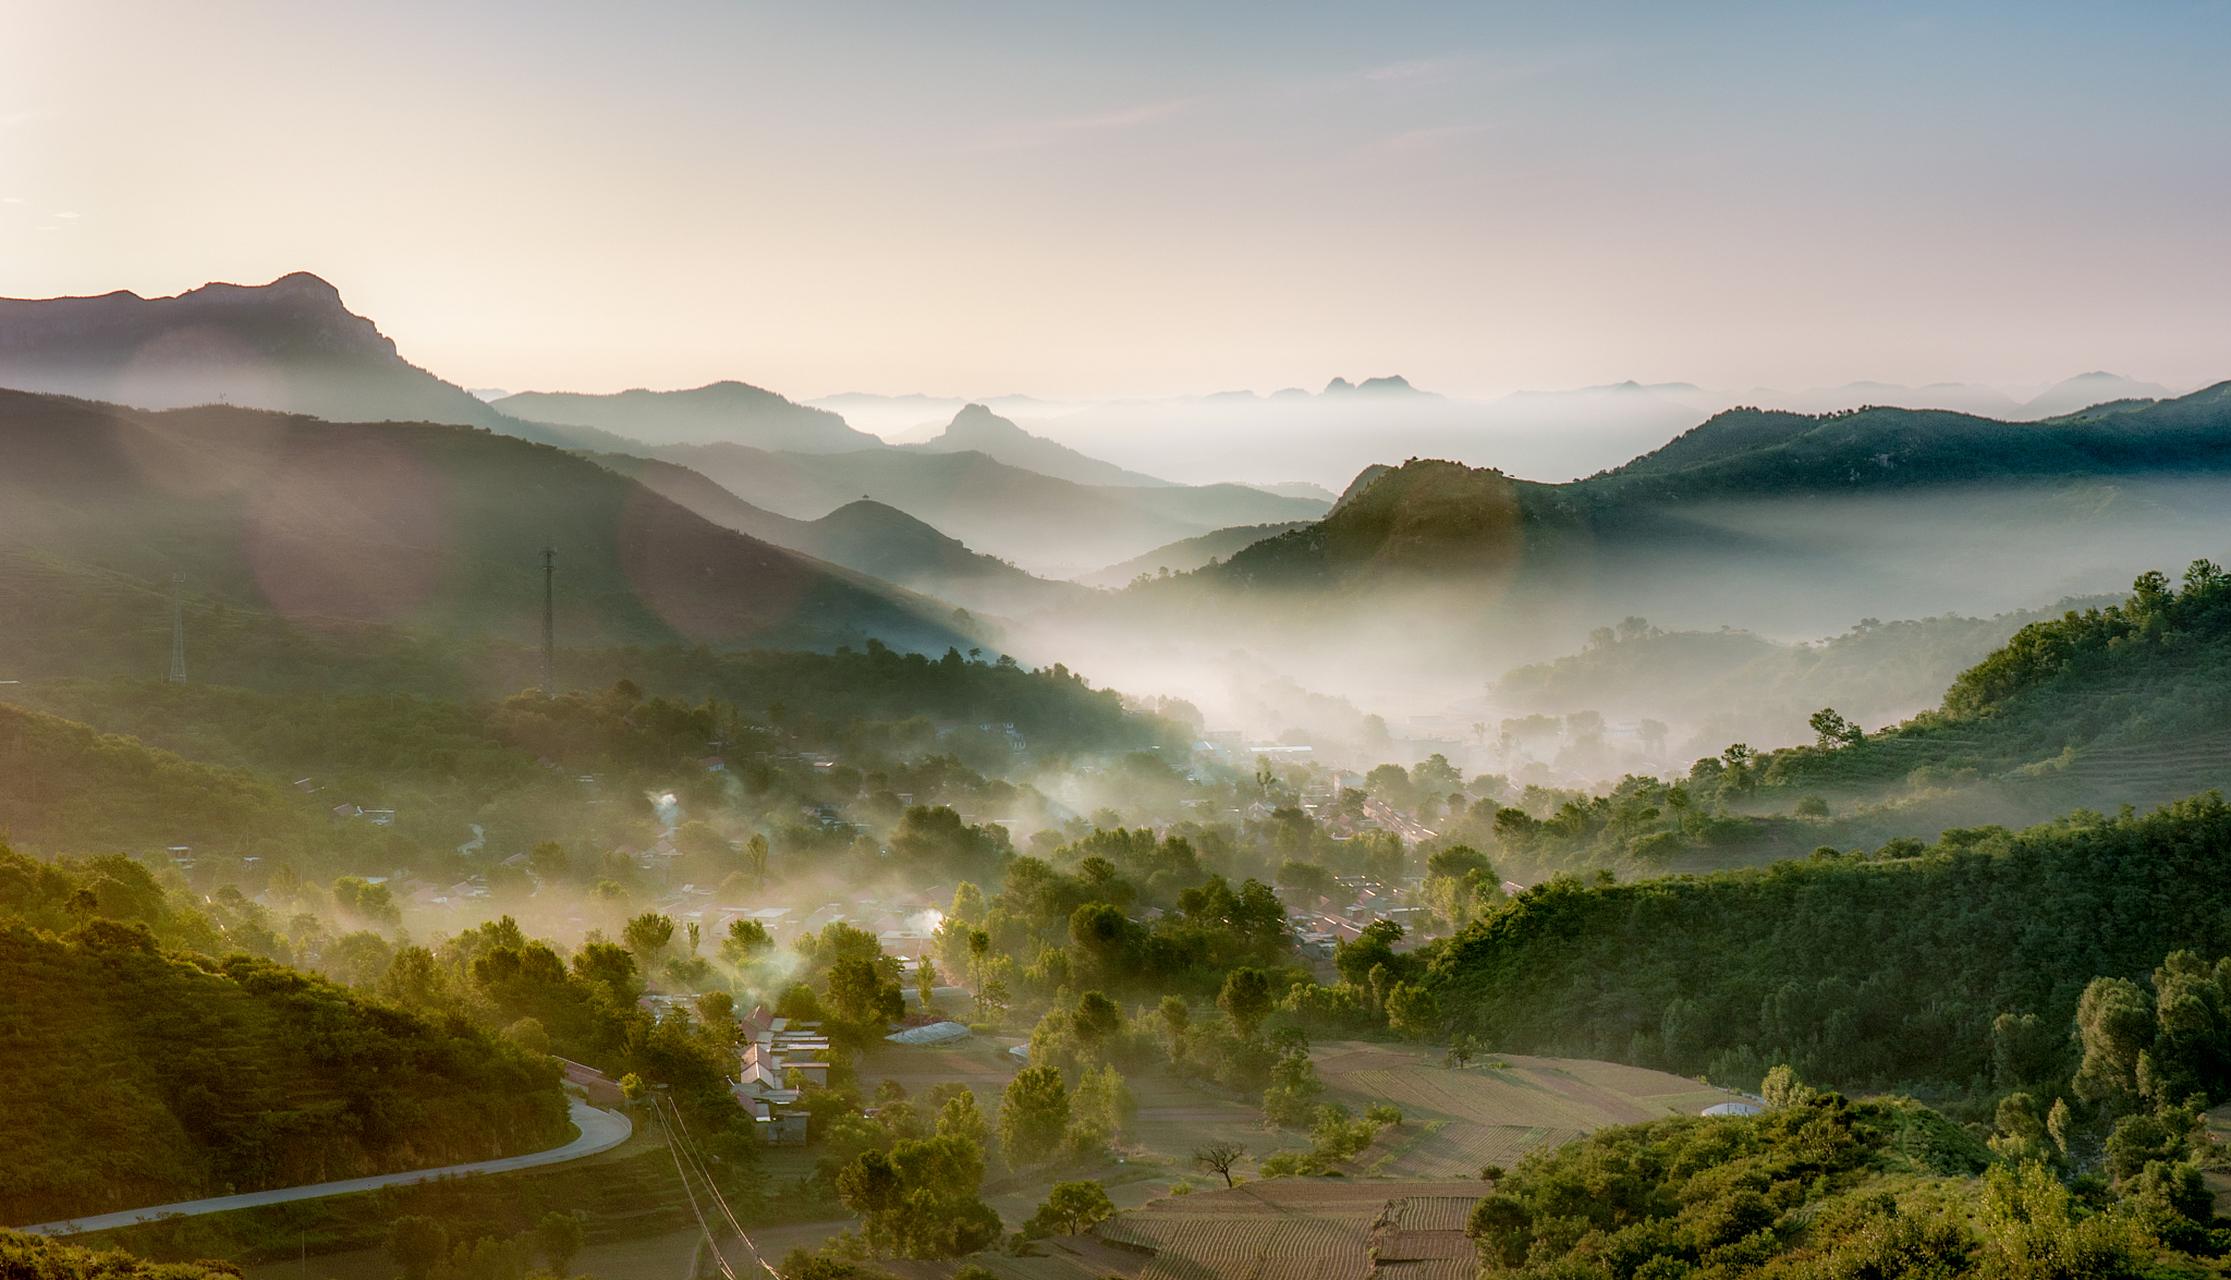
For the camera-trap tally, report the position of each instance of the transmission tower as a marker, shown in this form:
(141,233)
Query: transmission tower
(177,628)
(549,630)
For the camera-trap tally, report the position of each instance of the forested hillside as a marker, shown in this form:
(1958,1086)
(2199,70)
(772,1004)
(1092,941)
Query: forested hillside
(140,1077)
(2104,706)
(29,1257)
(64,783)
(1770,522)
(318,526)
(1865,971)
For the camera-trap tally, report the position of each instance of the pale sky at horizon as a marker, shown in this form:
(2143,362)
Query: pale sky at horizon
(1079,201)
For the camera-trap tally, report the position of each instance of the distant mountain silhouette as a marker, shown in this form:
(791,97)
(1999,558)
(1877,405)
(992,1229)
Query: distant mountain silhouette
(735,412)
(1042,523)
(343,525)
(289,346)
(2088,389)
(866,536)
(1395,385)
(977,429)
(1443,520)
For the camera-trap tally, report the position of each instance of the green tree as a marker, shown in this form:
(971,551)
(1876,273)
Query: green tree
(962,1118)
(858,994)
(1097,1021)
(648,935)
(418,1244)
(1071,1208)
(921,1199)
(747,942)
(1291,1099)
(559,1236)
(755,859)
(1033,1115)
(2115,1023)
(1462,1049)
(1246,999)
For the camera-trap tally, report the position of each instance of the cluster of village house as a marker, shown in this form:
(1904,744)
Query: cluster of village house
(779,1059)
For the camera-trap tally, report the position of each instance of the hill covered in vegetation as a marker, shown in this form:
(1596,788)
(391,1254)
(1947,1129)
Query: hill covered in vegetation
(30,1257)
(1443,518)
(64,784)
(139,1076)
(2122,704)
(1860,970)
(333,525)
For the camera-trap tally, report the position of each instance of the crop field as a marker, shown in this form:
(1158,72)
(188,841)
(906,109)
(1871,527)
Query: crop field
(1456,1120)
(1305,1228)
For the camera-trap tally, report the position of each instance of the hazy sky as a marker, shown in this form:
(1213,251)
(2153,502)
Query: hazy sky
(1150,198)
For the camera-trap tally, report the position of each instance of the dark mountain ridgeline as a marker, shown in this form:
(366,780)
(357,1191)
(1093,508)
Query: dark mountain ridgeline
(866,536)
(1754,453)
(997,509)
(339,525)
(290,346)
(1435,516)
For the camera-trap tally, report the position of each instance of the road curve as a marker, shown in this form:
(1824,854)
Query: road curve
(600,1131)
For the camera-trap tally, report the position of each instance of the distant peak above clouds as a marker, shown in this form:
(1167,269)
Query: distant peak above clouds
(979,430)
(1392,385)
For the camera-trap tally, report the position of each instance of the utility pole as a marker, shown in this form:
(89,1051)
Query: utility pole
(177,629)
(549,630)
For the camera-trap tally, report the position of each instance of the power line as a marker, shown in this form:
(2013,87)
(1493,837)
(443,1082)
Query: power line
(697,1156)
(673,1149)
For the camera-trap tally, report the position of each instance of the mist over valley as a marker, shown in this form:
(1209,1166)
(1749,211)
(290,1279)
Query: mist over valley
(1051,643)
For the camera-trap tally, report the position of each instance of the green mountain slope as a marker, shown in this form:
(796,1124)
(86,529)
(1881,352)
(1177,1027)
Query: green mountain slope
(1857,970)
(338,526)
(65,786)
(2119,705)
(138,1077)
(1750,452)
(736,412)
(1442,518)
(1186,553)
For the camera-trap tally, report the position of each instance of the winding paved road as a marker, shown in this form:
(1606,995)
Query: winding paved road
(600,1131)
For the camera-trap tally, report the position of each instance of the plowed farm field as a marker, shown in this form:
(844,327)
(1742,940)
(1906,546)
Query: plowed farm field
(1456,1120)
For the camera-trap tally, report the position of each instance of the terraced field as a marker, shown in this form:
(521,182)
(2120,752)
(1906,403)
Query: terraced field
(1291,1228)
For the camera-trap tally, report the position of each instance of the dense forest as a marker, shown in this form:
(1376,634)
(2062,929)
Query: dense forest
(1867,971)
(29,1257)
(1822,1188)
(140,1076)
